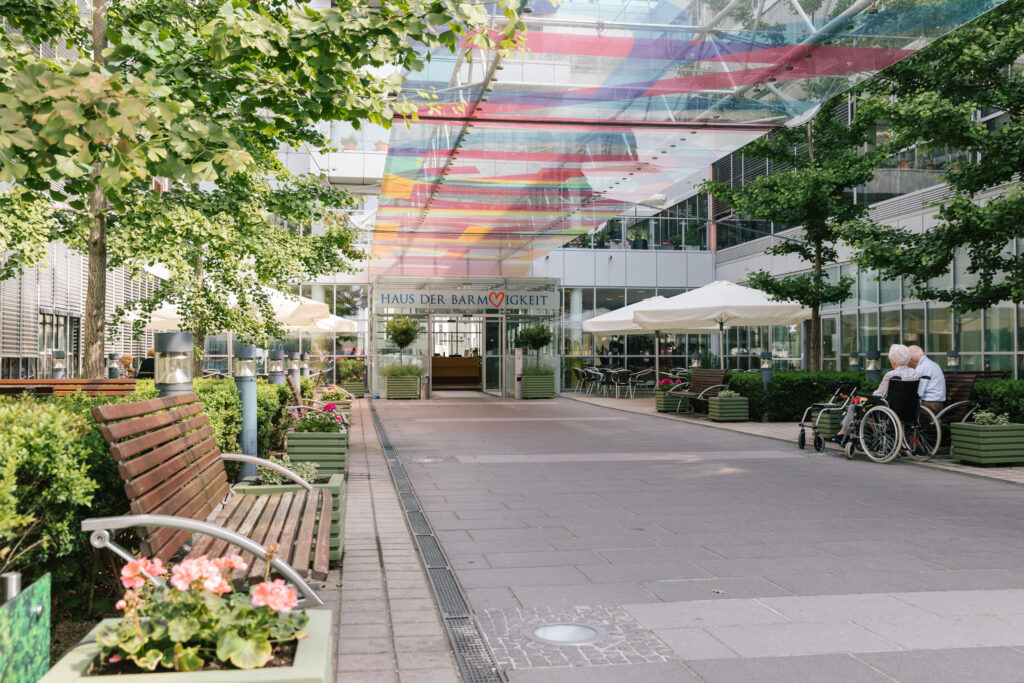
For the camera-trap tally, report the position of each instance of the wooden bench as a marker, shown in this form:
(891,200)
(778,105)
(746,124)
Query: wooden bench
(175,480)
(703,385)
(66,387)
(959,386)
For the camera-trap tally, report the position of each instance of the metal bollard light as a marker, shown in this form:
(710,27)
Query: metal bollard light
(275,367)
(245,380)
(172,363)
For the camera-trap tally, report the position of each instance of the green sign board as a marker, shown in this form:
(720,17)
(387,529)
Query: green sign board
(25,634)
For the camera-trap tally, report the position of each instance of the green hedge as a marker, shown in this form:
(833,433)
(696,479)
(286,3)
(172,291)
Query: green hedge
(272,420)
(1001,396)
(789,392)
(306,387)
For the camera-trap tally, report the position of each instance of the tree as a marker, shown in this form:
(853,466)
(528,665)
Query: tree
(228,247)
(402,331)
(826,160)
(932,98)
(536,338)
(191,90)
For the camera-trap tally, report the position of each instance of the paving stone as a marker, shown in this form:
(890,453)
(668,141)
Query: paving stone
(967,602)
(724,589)
(992,665)
(583,594)
(376,662)
(843,607)
(445,675)
(423,660)
(642,571)
(948,632)
(364,631)
(788,640)
(831,668)
(648,673)
(364,646)
(547,576)
(436,642)
(694,643)
(701,613)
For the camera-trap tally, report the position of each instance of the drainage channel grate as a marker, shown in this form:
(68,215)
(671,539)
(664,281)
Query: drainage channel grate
(431,551)
(476,661)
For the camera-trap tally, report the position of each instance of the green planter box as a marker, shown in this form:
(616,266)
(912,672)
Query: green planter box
(402,387)
(670,404)
(987,444)
(538,386)
(336,485)
(354,387)
(312,662)
(732,409)
(326,449)
(831,421)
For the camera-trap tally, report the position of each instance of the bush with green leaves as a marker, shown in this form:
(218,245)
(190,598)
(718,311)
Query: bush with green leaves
(45,487)
(535,338)
(272,420)
(399,370)
(325,420)
(306,387)
(1001,396)
(402,331)
(350,370)
(748,384)
(307,471)
(987,417)
(538,371)
(223,406)
(335,396)
(729,393)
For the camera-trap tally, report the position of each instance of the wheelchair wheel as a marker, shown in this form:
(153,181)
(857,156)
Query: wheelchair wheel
(801,441)
(922,442)
(849,449)
(819,443)
(881,434)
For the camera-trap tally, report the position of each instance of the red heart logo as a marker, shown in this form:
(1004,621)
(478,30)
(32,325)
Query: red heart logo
(496,299)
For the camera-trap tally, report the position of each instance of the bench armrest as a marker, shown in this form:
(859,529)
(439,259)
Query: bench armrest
(260,462)
(101,527)
(678,388)
(973,406)
(713,386)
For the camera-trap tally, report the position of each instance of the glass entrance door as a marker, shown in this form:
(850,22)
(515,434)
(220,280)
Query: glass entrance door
(494,354)
(467,352)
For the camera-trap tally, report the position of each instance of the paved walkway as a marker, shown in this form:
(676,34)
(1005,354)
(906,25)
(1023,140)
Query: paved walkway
(707,554)
(788,431)
(389,628)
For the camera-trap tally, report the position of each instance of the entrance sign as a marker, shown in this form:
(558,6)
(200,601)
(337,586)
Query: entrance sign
(464,299)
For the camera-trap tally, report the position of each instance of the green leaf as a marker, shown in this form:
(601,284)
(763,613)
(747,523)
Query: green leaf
(187,658)
(181,629)
(149,661)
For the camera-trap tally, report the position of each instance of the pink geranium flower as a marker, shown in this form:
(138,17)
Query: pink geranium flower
(120,604)
(329,408)
(275,595)
(132,575)
(203,571)
(229,562)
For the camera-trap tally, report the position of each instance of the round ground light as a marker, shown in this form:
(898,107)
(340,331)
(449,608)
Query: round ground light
(566,634)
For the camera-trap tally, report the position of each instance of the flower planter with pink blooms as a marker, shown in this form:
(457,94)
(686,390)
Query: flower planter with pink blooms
(664,403)
(319,437)
(197,628)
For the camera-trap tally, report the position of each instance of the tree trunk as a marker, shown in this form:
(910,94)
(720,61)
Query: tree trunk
(96,291)
(814,342)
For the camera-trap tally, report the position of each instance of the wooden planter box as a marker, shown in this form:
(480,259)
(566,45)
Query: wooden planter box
(336,485)
(831,422)
(538,386)
(732,409)
(326,449)
(354,387)
(987,444)
(312,662)
(670,404)
(402,387)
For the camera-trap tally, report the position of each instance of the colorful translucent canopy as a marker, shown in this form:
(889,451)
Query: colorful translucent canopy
(612,103)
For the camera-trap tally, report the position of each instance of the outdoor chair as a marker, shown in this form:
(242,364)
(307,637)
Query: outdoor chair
(580,377)
(618,379)
(644,380)
(594,379)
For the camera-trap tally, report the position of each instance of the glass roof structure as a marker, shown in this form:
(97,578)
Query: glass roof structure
(612,103)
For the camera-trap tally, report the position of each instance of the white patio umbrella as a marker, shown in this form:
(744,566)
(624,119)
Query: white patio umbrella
(620,321)
(289,311)
(718,304)
(332,323)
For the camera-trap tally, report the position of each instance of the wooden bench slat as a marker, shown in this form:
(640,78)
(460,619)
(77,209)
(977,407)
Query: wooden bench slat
(245,528)
(145,485)
(261,532)
(135,466)
(131,447)
(322,556)
(304,542)
(114,432)
(123,411)
(237,507)
(286,541)
(197,506)
(188,482)
(273,535)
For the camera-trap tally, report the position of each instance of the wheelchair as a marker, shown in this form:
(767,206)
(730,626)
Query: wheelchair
(885,427)
(842,394)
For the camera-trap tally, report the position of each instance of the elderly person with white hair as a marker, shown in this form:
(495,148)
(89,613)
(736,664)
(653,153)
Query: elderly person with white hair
(899,359)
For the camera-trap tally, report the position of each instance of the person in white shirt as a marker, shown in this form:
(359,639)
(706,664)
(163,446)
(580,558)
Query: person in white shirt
(933,389)
(899,359)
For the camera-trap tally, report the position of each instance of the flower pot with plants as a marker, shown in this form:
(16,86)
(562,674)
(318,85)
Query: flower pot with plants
(319,436)
(401,380)
(341,400)
(664,403)
(538,381)
(728,406)
(352,376)
(989,439)
(270,481)
(197,628)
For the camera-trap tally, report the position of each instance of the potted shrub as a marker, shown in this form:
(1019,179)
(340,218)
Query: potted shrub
(269,481)
(991,438)
(319,436)
(728,406)
(402,381)
(664,403)
(340,399)
(538,382)
(198,628)
(352,376)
